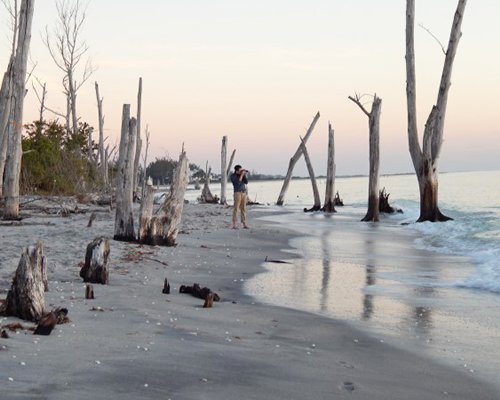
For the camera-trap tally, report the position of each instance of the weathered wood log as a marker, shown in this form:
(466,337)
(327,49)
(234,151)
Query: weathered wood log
(198,291)
(329,205)
(166,287)
(26,297)
(95,269)
(317,199)
(293,161)
(372,213)
(209,300)
(89,292)
(146,210)
(163,228)
(124,217)
(223,169)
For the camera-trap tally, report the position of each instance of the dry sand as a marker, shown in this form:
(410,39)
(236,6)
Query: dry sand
(134,342)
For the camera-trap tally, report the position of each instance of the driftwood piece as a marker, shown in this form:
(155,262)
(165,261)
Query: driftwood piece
(198,291)
(317,199)
(95,269)
(329,205)
(49,320)
(206,196)
(26,297)
(293,161)
(166,287)
(209,301)
(89,292)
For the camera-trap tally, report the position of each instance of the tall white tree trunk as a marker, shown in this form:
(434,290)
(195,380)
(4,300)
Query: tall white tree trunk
(102,155)
(13,166)
(293,161)
(5,111)
(138,147)
(329,205)
(223,169)
(425,159)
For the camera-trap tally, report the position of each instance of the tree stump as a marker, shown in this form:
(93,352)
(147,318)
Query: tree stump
(26,297)
(95,269)
(166,287)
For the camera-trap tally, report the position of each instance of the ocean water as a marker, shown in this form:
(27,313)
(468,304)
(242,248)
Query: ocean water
(433,287)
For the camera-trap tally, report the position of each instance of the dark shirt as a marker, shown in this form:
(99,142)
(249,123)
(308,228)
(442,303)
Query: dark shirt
(239,186)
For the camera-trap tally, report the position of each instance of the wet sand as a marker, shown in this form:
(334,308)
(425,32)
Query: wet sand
(134,342)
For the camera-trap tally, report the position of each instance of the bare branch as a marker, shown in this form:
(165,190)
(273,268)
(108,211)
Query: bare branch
(434,37)
(357,100)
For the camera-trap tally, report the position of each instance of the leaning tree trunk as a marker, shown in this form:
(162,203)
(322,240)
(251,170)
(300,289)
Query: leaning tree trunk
(26,297)
(329,205)
(230,164)
(373,212)
(95,269)
(317,199)
(293,161)
(163,228)
(124,218)
(223,168)
(425,159)
(13,165)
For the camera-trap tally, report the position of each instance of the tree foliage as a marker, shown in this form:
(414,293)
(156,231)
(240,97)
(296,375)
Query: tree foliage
(55,160)
(162,170)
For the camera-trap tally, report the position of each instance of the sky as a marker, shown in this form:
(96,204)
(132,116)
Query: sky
(258,71)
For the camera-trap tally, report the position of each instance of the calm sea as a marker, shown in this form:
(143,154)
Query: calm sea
(439,294)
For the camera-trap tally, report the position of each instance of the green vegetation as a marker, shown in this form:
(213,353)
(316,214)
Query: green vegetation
(162,170)
(56,161)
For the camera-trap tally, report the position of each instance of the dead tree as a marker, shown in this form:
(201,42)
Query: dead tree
(146,211)
(329,205)
(138,147)
(317,199)
(223,168)
(293,161)
(19,67)
(425,158)
(230,164)
(163,227)
(67,51)
(95,269)
(384,205)
(102,155)
(26,297)
(124,218)
(5,111)
(374,127)
(144,160)
(206,194)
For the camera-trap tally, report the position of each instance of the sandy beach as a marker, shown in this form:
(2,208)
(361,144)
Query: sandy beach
(134,342)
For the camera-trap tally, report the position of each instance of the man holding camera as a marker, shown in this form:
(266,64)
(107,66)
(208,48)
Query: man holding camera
(240,181)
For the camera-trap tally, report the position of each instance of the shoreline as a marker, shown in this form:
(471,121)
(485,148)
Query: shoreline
(132,341)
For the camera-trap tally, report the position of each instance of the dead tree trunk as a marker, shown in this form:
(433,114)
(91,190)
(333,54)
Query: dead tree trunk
(329,205)
(317,199)
(230,164)
(124,218)
(293,161)
(13,165)
(146,212)
(223,168)
(374,128)
(163,228)
(425,159)
(95,269)
(26,297)
(206,194)
(5,110)
(138,147)
(102,155)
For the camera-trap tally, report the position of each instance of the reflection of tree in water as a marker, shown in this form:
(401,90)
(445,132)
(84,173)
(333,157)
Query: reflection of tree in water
(368,298)
(422,316)
(326,263)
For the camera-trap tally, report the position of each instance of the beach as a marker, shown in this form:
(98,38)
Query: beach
(134,342)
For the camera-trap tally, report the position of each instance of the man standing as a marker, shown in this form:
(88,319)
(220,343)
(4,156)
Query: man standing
(240,181)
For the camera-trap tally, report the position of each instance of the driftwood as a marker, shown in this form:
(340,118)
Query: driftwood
(163,228)
(293,161)
(338,201)
(198,291)
(124,218)
(26,297)
(223,169)
(166,287)
(384,205)
(317,199)
(89,292)
(50,320)
(206,196)
(270,260)
(95,269)
(329,205)
(209,301)
(91,219)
